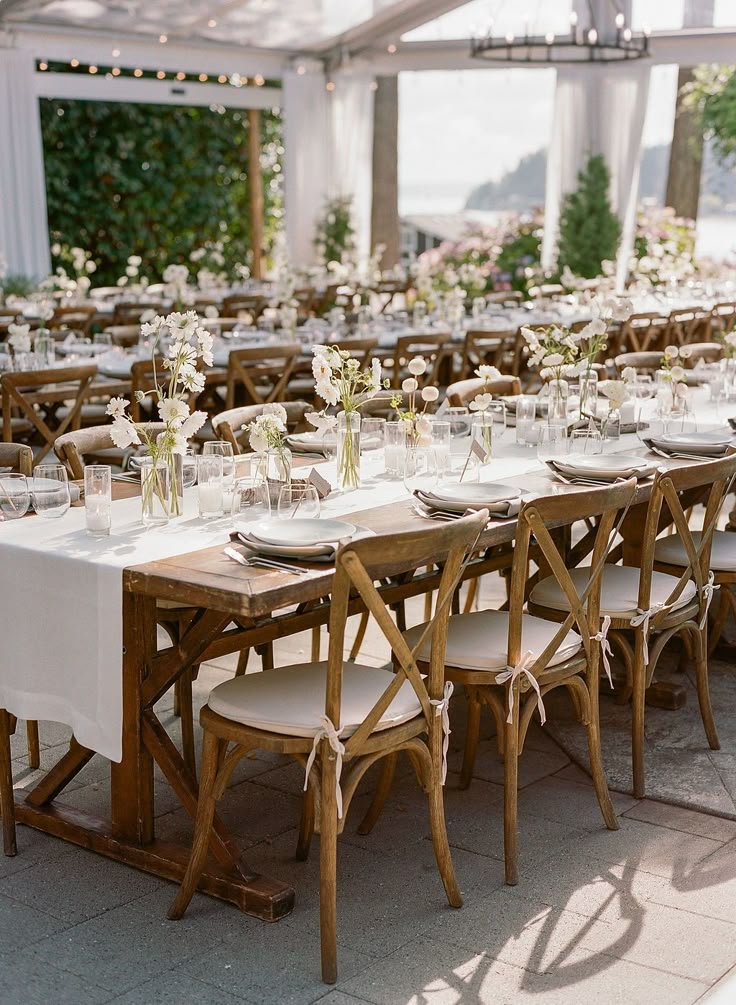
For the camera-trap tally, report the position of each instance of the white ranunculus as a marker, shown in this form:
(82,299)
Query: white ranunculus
(629,374)
(685,352)
(116,407)
(671,352)
(430,394)
(417,366)
(123,433)
(677,372)
(593,328)
(615,390)
(423,426)
(274,408)
(258,441)
(409,385)
(480,402)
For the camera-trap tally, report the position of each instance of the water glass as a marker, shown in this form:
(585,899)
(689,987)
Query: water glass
(419,314)
(298,499)
(372,435)
(221,448)
(156,491)
(15,496)
(585,441)
(98,499)
(441,442)
(552,440)
(527,432)
(51,498)
(250,500)
(210,485)
(188,470)
(395,448)
(459,419)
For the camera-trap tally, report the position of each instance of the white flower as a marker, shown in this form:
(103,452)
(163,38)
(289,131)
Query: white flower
(327,391)
(409,385)
(273,408)
(553,359)
(629,374)
(671,352)
(116,407)
(615,390)
(173,411)
(423,426)
(530,335)
(376,373)
(192,381)
(321,369)
(681,390)
(182,326)
(677,373)
(192,424)
(152,327)
(430,394)
(90,266)
(417,366)
(685,352)
(135,260)
(488,372)
(123,433)
(211,311)
(321,421)
(593,328)
(131,271)
(19,337)
(257,440)
(480,402)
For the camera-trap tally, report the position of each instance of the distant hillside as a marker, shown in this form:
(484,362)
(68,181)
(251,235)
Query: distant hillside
(523,188)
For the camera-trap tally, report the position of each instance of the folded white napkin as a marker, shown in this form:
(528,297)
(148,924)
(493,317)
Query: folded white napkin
(503,509)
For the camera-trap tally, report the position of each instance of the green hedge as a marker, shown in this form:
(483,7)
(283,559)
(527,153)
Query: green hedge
(153,180)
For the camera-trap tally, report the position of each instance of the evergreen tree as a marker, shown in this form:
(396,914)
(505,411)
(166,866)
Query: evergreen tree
(589,229)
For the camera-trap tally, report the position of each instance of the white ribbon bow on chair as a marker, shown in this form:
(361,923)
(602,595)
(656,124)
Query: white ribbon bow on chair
(707,594)
(328,732)
(643,618)
(442,707)
(606,651)
(510,674)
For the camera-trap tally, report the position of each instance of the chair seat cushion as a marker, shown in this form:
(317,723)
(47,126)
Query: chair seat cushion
(291,699)
(671,550)
(479,640)
(619,590)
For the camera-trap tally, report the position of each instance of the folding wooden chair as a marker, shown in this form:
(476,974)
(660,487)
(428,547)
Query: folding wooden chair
(260,374)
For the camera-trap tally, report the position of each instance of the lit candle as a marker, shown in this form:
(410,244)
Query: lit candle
(210,498)
(98,514)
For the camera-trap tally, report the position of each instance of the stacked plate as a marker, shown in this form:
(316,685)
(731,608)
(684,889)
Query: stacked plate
(713,443)
(603,468)
(499,500)
(313,540)
(306,443)
(43,485)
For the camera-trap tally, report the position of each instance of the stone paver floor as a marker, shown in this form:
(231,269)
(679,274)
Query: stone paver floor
(646,914)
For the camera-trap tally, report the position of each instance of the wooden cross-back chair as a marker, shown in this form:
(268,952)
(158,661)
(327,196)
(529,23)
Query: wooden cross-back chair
(435,348)
(94,445)
(495,348)
(654,605)
(643,332)
(361,349)
(709,352)
(238,302)
(462,392)
(130,312)
(339,718)
(261,373)
(502,657)
(26,393)
(643,362)
(18,457)
(126,336)
(689,324)
(76,316)
(723,317)
(228,425)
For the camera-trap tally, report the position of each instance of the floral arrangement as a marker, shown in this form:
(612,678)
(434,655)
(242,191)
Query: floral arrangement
(189,343)
(557,349)
(19,338)
(338,377)
(664,248)
(673,372)
(132,278)
(177,288)
(420,428)
(268,432)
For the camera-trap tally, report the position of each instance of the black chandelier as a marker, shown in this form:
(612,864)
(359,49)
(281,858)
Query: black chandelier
(580,45)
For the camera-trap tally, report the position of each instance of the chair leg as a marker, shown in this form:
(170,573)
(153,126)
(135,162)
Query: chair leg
(316,640)
(600,782)
(7,799)
(471,597)
(438,827)
(34,745)
(638,694)
(187,721)
(306,826)
(511,795)
(472,736)
(202,828)
(242,662)
(385,781)
(701,679)
(716,629)
(328,871)
(359,636)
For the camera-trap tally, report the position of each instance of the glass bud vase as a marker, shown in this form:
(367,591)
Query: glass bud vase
(155,492)
(559,392)
(482,433)
(348,450)
(176,478)
(274,465)
(588,394)
(611,427)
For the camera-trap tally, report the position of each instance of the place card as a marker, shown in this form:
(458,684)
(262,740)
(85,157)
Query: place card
(320,483)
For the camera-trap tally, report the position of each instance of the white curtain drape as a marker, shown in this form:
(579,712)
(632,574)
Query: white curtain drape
(328,141)
(24,235)
(598,110)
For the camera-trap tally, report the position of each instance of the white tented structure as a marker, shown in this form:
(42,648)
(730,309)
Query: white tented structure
(326,55)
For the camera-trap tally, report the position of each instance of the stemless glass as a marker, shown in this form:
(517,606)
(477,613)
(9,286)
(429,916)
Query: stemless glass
(459,419)
(251,500)
(585,441)
(51,498)
(188,470)
(395,450)
(221,448)
(98,499)
(15,496)
(552,440)
(298,499)
(210,485)
(372,434)
(526,411)
(441,435)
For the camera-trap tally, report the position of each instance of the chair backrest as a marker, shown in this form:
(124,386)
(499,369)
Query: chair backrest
(688,324)
(646,362)
(228,425)
(463,391)
(360,348)
(79,317)
(359,565)
(672,494)
(431,347)
(261,372)
(253,304)
(535,519)
(23,390)
(710,352)
(18,457)
(487,347)
(641,332)
(124,335)
(72,448)
(130,312)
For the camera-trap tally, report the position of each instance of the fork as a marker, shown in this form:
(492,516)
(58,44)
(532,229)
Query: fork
(266,563)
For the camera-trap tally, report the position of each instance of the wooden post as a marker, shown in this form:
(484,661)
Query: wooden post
(255,179)
(385,207)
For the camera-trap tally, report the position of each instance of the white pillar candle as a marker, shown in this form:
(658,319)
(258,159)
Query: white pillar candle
(98,514)
(628,412)
(210,498)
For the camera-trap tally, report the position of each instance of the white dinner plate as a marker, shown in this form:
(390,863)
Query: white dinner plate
(608,465)
(297,531)
(474,493)
(711,437)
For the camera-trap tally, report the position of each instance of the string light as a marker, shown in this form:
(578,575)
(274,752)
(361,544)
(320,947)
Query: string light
(161,75)
(115,53)
(74,62)
(373,86)
(391,48)
(301,70)
(163,39)
(203,77)
(258,80)
(93,69)
(222,79)
(212,23)
(330,85)
(181,76)
(116,71)
(43,66)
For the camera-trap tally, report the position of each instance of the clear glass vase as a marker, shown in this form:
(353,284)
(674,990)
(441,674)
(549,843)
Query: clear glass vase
(482,433)
(176,478)
(559,392)
(348,450)
(611,426)
(156,502)
(274,465)
(588,394)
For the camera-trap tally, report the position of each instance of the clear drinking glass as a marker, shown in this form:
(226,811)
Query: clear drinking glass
(222,448)
(526,412)
(459,419)
(102,339)
(585,441)
(210,485)
(251,501)
(372,434)
(189,470)
(15,496)
(50,497)
(552,440)
(395,448)
(441,435)
(98,499)
(298,499)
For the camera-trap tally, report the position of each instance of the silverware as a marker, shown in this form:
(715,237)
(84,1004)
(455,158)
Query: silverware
(686,457)
(591,482)
(258,561)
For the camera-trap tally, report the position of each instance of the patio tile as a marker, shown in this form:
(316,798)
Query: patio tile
(26,978)
(21,925)
(176,988)
(432,971)
(533,764)
(680,819)
(340,998)
(708,888)
(79,887)
(556,798)
(33,847)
